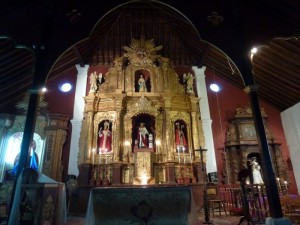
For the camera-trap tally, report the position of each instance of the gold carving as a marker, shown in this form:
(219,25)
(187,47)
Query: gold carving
(142,52)
(120,101)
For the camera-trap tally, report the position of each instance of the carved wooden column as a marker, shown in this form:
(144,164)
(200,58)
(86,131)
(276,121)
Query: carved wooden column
(89,129)
(56,137)
(167,130)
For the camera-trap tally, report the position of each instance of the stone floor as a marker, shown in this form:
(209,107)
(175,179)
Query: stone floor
(217,220)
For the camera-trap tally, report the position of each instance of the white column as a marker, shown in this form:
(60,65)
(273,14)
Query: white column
(80,92)
(211,165)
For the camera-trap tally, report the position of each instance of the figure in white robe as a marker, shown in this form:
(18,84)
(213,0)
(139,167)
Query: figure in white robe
(256,172)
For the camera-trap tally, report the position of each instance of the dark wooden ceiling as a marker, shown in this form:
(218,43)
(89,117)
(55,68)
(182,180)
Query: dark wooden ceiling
(191,35)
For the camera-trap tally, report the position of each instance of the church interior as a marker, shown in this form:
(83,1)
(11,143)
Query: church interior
(110,112)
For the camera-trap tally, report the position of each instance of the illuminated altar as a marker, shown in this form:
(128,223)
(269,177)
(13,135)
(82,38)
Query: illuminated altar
(141,122)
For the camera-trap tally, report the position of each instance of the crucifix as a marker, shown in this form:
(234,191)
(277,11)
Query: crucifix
(205,200)
(201,150)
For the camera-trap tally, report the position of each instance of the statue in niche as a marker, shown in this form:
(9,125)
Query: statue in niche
(180,140)
(189,80)
(33,160)
(100,76)
(256,172)
(142,84)
(93,82)
(105,137)
(143,136)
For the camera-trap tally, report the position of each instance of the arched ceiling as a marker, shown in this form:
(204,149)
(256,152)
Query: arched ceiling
(93,34)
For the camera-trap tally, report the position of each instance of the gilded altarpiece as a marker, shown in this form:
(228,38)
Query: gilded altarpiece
(141,93)
(242,147)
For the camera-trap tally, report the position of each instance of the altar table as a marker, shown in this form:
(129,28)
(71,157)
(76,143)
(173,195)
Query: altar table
(141,205)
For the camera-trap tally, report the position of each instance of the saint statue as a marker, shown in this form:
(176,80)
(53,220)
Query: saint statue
(93,82)
(142,84)
(142,137)
(256,172)
(104,141)
(189,79)
(180,140)
(100,76)
(33,160)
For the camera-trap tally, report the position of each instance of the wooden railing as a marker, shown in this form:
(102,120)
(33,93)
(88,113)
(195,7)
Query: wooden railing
(255,196)
(257,202)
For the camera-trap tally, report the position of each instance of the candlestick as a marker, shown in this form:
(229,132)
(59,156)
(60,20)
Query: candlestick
(178,155)
(100,156)
(285,183)
(93,156)
(105,158)
(191,156)
(278,180)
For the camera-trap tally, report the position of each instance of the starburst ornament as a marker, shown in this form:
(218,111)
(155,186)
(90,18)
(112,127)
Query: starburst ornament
(142,52)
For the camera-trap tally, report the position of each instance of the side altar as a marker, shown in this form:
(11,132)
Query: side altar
(141,123)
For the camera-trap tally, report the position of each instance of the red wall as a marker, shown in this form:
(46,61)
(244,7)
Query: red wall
(222,108)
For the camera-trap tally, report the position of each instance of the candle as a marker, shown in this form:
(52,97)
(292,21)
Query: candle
(100,156)
(278,180)
(285,183)
(93,156)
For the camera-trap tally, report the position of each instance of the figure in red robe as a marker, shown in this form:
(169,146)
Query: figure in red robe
(180,140)
(142,136)
(104,141)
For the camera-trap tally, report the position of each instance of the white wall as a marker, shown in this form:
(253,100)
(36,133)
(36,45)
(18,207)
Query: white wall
(291,125)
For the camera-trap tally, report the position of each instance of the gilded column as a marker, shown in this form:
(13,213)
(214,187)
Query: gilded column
(167,131)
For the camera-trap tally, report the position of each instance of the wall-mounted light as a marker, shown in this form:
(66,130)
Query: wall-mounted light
(66,87)
(215,87)
(44,89)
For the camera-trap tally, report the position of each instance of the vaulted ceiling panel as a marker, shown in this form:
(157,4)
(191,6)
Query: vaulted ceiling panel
(276,66)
